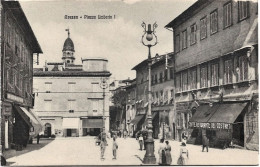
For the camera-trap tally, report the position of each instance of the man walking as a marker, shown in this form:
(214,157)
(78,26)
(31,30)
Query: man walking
(103,148)
(205,142)
(115,147)
(141,140)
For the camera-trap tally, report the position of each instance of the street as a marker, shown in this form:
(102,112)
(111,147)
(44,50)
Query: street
(82,151)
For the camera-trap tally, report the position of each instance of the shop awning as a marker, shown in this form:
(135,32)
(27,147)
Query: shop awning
(228,112)
(92,123)
(203,113)
(70,123)
(153,116)
(137,119)
(37,126)
(24,115)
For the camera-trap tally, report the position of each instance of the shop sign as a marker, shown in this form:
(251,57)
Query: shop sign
(210,125)
(14,98)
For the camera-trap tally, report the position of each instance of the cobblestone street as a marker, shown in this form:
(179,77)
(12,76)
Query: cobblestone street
(82,151)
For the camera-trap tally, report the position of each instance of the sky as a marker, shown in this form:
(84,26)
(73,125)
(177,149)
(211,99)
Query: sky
(117,39)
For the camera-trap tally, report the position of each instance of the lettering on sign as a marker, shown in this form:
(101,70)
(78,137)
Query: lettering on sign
(210,125)
(14,98)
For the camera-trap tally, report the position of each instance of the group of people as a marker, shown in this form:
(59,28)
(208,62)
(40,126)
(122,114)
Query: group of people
(103,145)
(164,151)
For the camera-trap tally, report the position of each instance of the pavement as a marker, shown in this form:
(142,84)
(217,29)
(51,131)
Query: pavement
(83,151)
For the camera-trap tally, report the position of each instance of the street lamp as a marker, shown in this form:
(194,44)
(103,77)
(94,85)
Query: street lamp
(149,157)
(103,85)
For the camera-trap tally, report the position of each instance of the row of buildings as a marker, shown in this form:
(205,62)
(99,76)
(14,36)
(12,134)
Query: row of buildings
(210,85)
(19,122)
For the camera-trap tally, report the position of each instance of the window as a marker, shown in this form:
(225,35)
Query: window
(193,79)
(161,96)
(48,104)
(71,104)
(161,77)
(48,86)
(203,77)
(214,22)
(185,81)
(95,107)
(214,74)
(71,86)
(165,75)
(227,71)
(177,43)
(243,10)
(178,82)
(203,28)
(152,81)
(227,15)
(243,68)
(171,73)
(193,37)
(95,87)
(184,39)
(155,79)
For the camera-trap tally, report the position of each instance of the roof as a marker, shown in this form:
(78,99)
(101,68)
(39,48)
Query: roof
(94,58)
(68,45)
(55,63)
(155,60)
(70,73)
(17,11)
(193,9)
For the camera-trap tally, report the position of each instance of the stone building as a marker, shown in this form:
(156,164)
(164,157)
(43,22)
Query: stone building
(162,97)
(69,97)
(18,44)
(216,72)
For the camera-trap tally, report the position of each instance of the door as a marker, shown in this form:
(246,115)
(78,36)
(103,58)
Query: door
(68,132)
(173,131)
(49,131)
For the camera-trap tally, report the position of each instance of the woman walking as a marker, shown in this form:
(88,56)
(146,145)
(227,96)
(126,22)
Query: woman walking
(168,153)
(184,155)
(161,152)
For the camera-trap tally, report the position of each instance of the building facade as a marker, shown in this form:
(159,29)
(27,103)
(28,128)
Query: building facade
(162,97)
(18,44)
(71,99)
(216,72)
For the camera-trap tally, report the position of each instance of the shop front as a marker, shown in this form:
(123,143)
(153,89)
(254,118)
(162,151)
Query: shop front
(221,122)
(155,124)
(92,126)
(136,123)
(70,127)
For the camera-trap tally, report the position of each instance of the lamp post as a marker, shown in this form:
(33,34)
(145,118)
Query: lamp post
(149,157)
(103,85)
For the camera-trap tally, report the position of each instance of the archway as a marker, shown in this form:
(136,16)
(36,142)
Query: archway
(47,131)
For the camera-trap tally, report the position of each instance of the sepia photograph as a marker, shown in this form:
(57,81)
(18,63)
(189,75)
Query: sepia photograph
(129,83)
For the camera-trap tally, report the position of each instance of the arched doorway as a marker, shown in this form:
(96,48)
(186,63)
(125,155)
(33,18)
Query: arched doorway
(47,131)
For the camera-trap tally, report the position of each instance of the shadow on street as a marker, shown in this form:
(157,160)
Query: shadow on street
(30,147)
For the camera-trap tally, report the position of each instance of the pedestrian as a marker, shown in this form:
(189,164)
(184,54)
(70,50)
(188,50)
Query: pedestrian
(103,148)
(168,153)
(141,140)
(205,142)
(115,147)
(184,138)
(125,134)
(184,155)
(38,139)
(161,152)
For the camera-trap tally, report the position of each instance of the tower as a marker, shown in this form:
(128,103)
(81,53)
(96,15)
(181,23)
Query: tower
(68,50)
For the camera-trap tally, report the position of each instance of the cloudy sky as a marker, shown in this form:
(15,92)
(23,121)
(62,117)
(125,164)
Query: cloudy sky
(118,40)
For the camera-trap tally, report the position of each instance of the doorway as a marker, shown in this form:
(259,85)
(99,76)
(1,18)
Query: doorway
(238,131)
(173,131)
(69,132)
(47,131)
